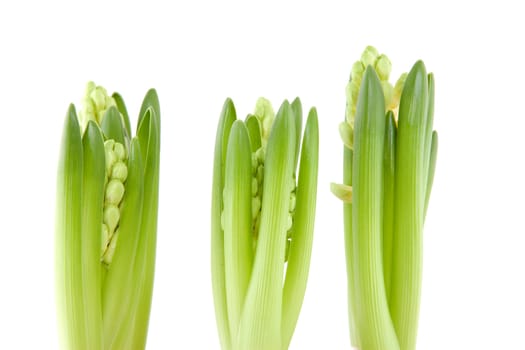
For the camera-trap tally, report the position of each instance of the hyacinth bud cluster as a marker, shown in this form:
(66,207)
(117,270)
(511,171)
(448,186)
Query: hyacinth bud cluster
(266,115)
(392,93)
(95,104)
(116,174)
(291,212)
(257,186)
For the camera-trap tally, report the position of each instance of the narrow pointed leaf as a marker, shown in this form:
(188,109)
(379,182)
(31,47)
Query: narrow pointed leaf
(261,319)
(112,125)
(145,260)
(237,218)
(302,229)
(68,263)
(410,181)
(376,328)
(228,116)
(254,130)
(297,110)
(431,168)
(388,198)
(92,203)
(151,101)
(121,106)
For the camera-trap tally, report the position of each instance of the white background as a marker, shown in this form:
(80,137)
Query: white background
(198,53)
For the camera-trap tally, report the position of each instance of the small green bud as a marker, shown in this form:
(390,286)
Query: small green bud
(94,104)
(255,162)
(400,84)
(110,160)
(369,56)
(98,96)
(119,172)
(292,202)
(104,239)
(355,85)
(120,151)
(260,173)
(347,134)
(383,67)
(114,192)
(264,112)
(111,218)
(256,207)
(255,186)
(388,92)
(110,252)
(358,69)
(260,154)
(341,191)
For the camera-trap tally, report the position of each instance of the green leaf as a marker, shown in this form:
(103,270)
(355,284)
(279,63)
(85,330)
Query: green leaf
(260,326)
(254,130)
(121,106)
(92,203)
(302,229)
(375,326)
(237,218)
(297,110)
(151,101)
(228,116)
(431,168)
(429,126)
(119,291)
(112,125)
(146,252)
(389,166)
(410,181)
(68,264)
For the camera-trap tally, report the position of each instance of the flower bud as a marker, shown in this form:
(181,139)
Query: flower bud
(114,192)
(383,67)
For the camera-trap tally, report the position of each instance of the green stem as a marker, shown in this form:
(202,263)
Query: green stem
(349,250)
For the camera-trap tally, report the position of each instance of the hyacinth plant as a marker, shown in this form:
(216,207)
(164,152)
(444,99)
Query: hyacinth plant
(106,222)
(389,161)
(263,209)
